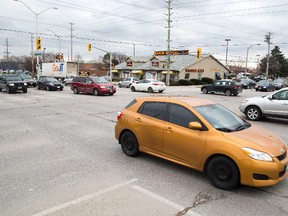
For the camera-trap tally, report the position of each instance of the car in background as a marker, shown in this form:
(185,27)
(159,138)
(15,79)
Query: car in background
(127,82)
(247,83)
(12,83)
(227,87)
(204,136)
(28,78)
(68,80)
(265,85)
(279,83)
(148,85)
(92,85)
(49,83)
(272,105)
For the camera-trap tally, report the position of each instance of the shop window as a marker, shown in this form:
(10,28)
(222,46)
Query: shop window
(187,76)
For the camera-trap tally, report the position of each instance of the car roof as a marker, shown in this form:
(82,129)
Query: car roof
(191,101)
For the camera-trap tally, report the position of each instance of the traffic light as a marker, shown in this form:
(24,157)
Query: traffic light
(38,43)
(89,47)
(198,53)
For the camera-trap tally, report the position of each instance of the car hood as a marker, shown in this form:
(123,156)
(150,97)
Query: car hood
(10,82)
(258,139)
(105,84)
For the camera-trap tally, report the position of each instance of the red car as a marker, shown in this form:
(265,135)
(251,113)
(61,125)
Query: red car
(92,85)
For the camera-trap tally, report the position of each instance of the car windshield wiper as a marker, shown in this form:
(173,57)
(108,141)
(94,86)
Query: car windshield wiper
(225,129)
(242,127)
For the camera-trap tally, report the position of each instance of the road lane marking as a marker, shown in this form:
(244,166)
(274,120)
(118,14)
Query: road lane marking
(163,200)
(84,198)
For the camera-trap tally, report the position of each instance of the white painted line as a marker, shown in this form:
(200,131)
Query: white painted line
(84,198)
(164,201)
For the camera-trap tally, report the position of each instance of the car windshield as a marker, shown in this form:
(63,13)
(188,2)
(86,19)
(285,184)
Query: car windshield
(25,76)
(13,78)
(221,118)
(99,80)
(51,79)
(263,82)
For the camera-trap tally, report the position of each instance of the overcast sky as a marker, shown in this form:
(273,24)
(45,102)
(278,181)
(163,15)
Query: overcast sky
(122,25)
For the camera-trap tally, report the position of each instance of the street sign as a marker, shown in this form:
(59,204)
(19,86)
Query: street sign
(37,54)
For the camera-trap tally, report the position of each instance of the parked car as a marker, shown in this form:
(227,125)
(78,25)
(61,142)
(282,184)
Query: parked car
(272,105)
(222,86)
(279,83)
(148,85)
(127,82)
(247,83)
(68,80)
(92,85)
(28,78)
(205,136)
(49,83)
(12,83)
(265,85)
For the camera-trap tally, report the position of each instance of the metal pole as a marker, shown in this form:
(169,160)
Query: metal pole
(227,40)
(267,39)
(247,56)
(168,45)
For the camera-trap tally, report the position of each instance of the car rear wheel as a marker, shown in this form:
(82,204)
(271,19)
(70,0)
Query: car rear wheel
(133,89)
(129,144)
(235,94)
(160,91)
(38,87)
(253,113)
(223,173)
(228,92)
(95,92)
(205,91)
(75,90)
(150,90)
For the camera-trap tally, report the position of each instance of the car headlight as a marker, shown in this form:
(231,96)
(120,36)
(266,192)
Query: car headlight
(102,87)
(11,84)
(25,84)
(51,84)
(257,155)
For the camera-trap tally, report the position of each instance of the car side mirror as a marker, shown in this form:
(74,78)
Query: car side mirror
(195,126)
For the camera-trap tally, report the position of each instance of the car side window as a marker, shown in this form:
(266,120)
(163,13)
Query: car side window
(82,79)
(154,109)
(282,95)
(181,115)
(88,80)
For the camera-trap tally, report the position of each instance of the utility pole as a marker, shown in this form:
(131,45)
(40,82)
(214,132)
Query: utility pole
(7,51)
(168,44)
(72,40)
(268,41)
(32,53)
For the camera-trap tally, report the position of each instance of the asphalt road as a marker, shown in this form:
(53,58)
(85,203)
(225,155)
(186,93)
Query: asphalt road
(58,156)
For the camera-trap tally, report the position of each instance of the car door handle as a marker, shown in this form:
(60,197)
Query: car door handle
(169,129)
(138,119)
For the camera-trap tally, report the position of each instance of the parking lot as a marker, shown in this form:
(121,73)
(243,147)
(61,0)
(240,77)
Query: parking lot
(59,157)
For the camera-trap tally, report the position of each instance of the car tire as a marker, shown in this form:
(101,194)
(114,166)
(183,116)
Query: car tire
(129,144)
(160,91)
(228,92)
(75,90)
(150,90)
(8,90)
(47,88)
(235,94)
(205,91)
(253,113)
(25,90)
(119,85)
(95,92)
(223,173)
(38,87)
(133,89)
(65,83)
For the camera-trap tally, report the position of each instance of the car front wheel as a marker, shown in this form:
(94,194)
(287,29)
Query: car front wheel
(205,91)
(95,92)
(75,90)
(47,88)
(223,173)
(129,144)
(133,89)
(253,113)
(150,90)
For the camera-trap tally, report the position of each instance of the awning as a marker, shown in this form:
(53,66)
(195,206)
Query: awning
(114,71)
(165,72)
(137,71)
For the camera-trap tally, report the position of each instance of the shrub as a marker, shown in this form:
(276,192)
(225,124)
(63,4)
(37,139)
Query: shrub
(196,82)
(207,80)
(174,83)
(184,82)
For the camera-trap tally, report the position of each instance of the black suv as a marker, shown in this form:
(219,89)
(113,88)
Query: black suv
(12,83)
(222,86)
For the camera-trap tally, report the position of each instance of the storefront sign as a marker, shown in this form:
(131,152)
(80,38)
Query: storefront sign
(195,70)
(172,52)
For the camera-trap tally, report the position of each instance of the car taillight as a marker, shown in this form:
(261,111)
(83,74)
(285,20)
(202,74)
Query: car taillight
(119,114)
(236,87)
(155,84)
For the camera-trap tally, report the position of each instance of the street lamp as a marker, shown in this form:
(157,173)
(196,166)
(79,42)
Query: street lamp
(36,14)
(247,55)
(58,36)
(227,40)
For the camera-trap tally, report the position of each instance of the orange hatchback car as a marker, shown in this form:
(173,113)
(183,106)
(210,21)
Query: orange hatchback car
(205,136)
